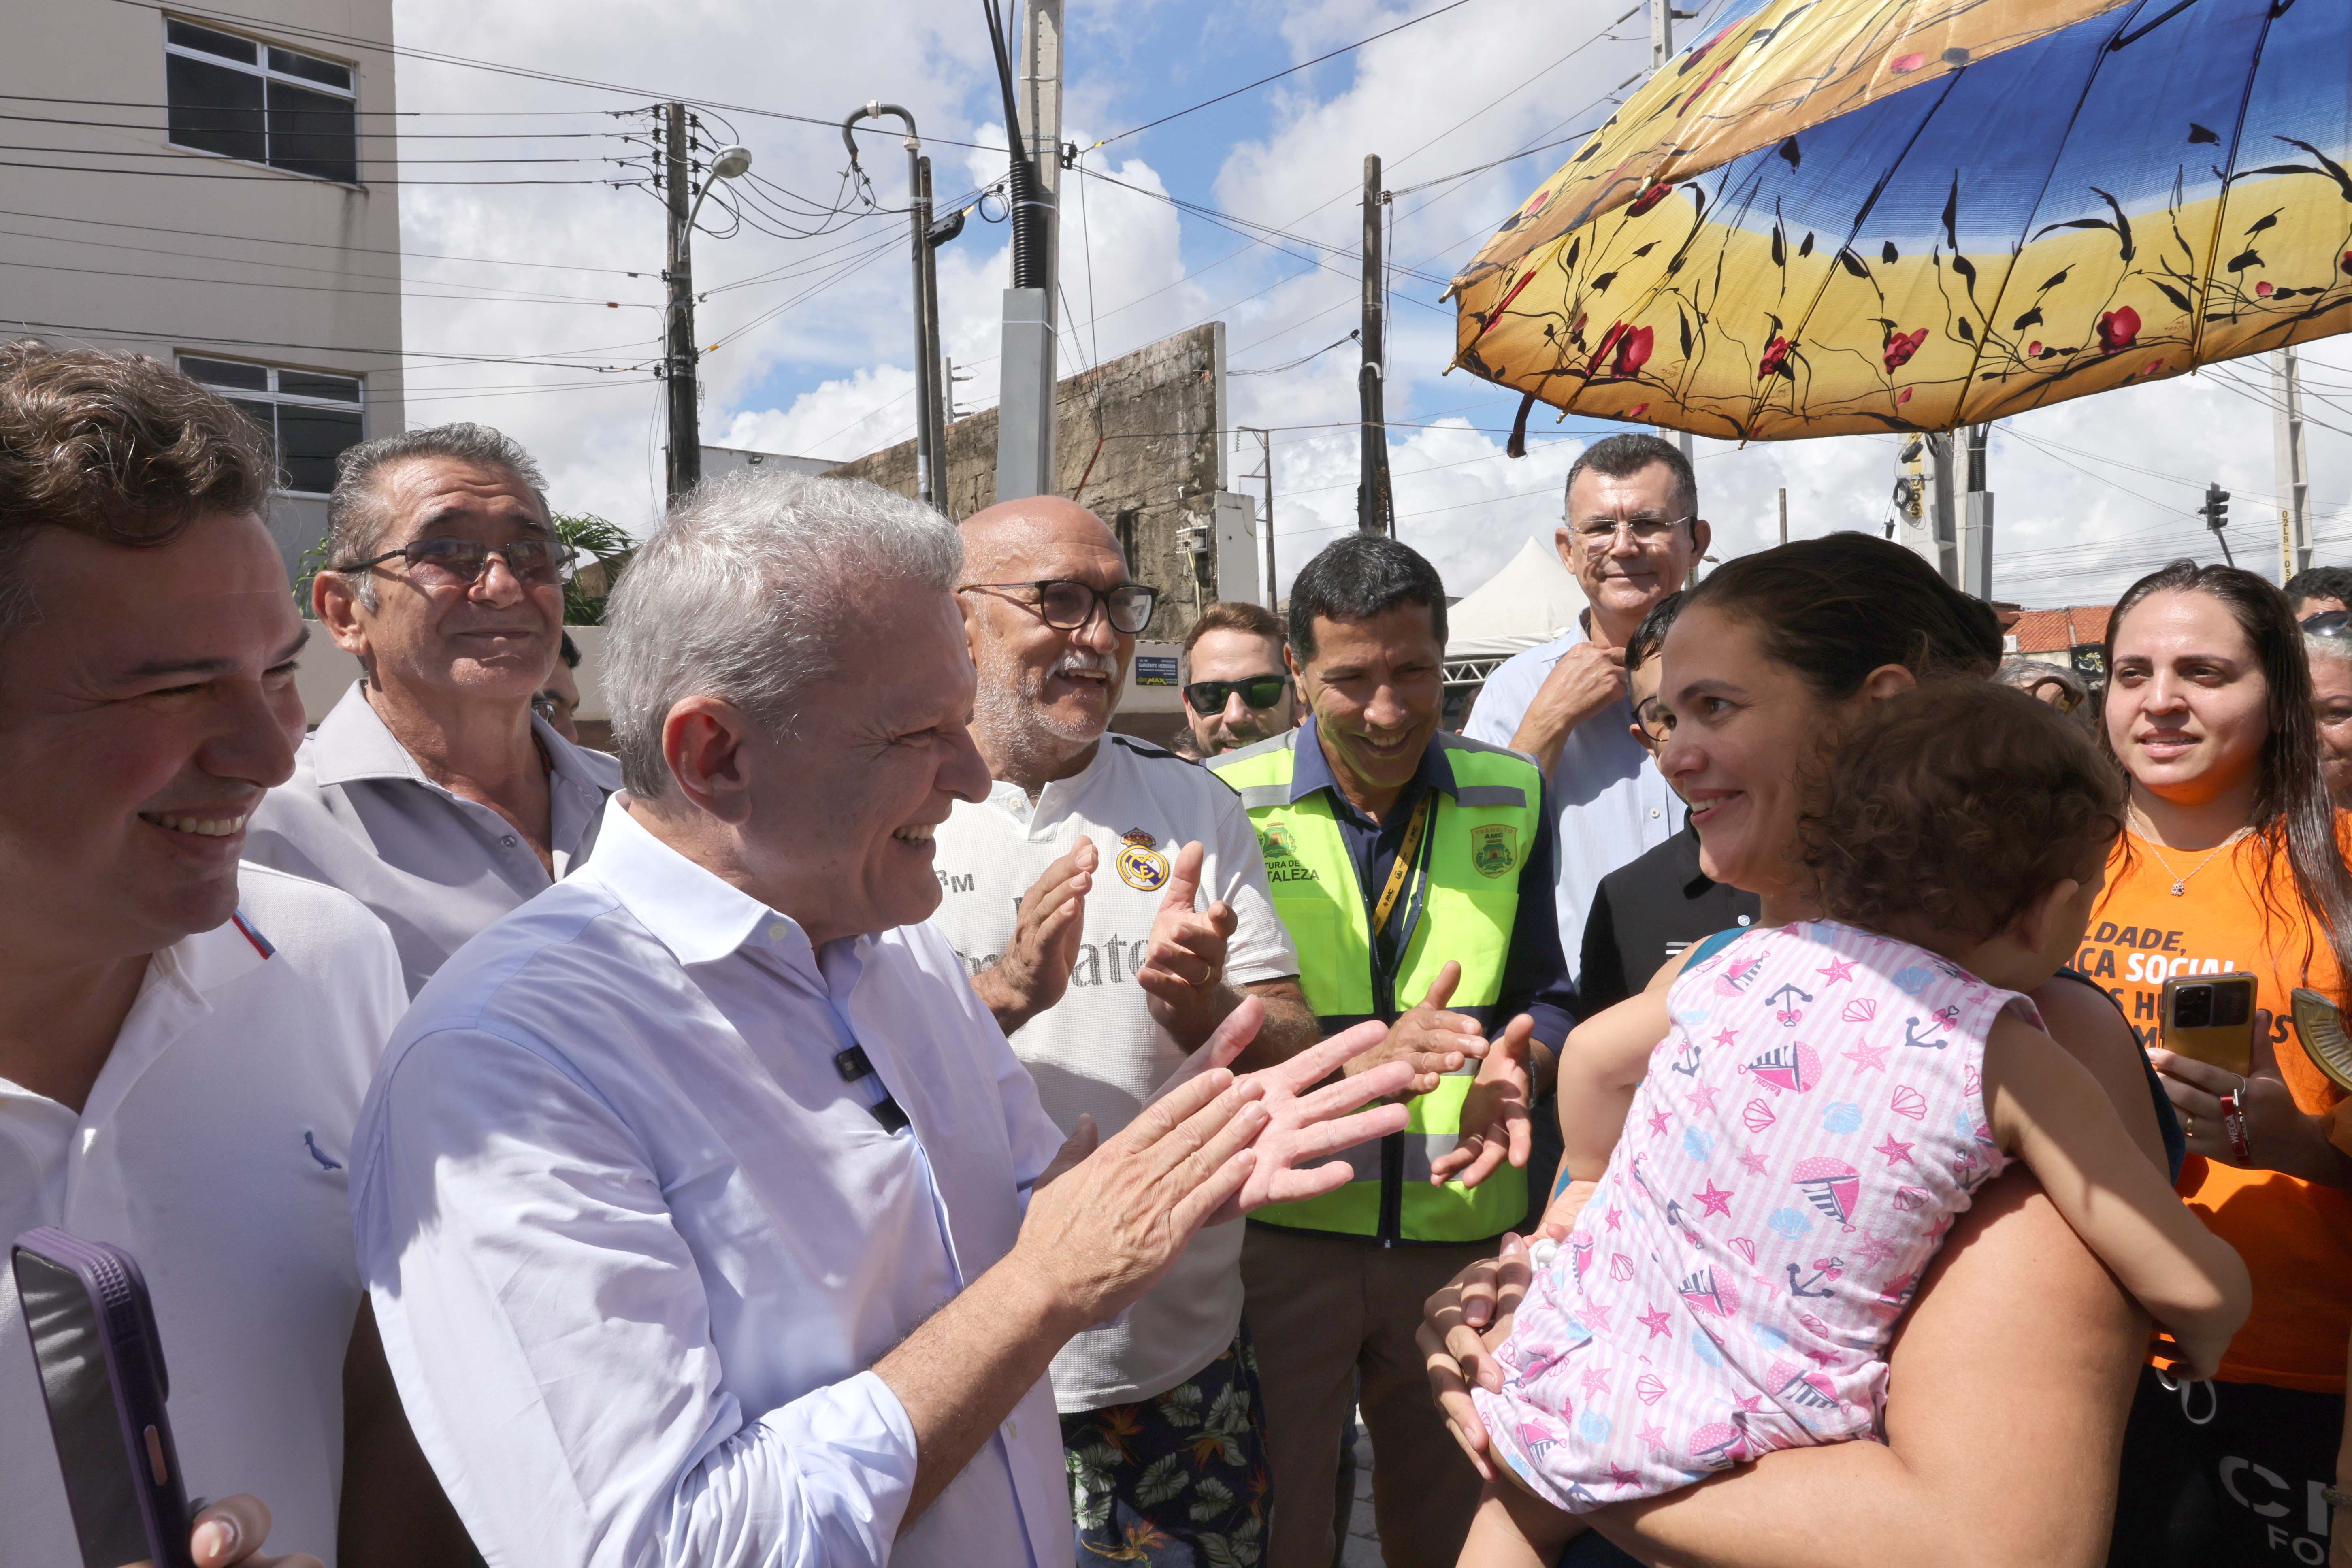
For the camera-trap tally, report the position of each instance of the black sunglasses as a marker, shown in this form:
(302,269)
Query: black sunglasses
(537,561)
(1207,696)
(1065,603)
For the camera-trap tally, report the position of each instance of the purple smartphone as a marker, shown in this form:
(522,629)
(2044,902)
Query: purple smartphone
(102,1361)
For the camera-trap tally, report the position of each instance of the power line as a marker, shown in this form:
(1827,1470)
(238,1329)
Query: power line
(320,288)
(1293,71)
(264,173)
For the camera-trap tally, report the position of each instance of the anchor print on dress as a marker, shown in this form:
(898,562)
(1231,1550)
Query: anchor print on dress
(1911,1034)
(1832,1186)
(1826,1272)
(1786,1011)
(1794,1068)
(1687,1060)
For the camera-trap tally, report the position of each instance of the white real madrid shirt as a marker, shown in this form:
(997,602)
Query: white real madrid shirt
(214,1148)
(1098,1051)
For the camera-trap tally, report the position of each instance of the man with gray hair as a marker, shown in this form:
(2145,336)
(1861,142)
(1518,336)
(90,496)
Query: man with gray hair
(432,793)
(708,1216)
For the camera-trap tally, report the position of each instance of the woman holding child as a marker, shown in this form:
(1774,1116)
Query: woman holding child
(2231,862)
(2012,1370)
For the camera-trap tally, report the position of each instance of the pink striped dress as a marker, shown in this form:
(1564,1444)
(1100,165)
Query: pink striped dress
(1805,1133)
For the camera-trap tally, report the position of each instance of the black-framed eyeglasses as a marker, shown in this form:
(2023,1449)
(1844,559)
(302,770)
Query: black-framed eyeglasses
(463,561)
(2327,623)
(1065,603)
(1656,723)
(1646,528)
(1207,696)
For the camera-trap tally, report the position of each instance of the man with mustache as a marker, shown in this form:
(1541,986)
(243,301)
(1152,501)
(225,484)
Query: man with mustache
(1071,893)
(1413,869)
(432,793)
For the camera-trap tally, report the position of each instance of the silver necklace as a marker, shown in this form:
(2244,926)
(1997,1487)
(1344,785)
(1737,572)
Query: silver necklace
(2180,881)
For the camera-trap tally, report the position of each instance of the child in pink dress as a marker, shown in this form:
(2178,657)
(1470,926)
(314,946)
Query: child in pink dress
(1826,1098)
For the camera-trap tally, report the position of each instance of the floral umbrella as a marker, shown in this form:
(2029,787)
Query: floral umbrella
(1841,215)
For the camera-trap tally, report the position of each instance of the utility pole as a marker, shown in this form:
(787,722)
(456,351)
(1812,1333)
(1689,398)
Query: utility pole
(685,465)
(1784,516)
(1976,519)
(1028,382)
(930,478)
(1265,472)
(2294,473)
(1375,507)
(933,391)
(1663,18)
(1943,507)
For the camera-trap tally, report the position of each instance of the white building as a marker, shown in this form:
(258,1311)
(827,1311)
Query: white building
(201,193)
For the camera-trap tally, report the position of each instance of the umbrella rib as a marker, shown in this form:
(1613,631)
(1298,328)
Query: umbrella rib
(2074,118)
(1861,215)
(2229,173)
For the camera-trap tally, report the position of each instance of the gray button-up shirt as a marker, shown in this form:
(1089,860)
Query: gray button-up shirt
(360,815)
(1612,805)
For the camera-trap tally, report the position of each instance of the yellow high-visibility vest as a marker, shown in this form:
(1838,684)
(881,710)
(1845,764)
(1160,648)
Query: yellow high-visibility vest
(1461,902)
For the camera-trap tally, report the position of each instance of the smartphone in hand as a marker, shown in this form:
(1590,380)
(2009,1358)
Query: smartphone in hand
(2209,1017)
(101,1364)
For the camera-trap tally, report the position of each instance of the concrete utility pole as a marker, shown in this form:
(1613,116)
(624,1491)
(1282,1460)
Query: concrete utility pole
(1784,517)
(1663,18)
(2294,473)
(1375,507)
(1028,380)
(684,469)
(931,477)
(1976,519)
(1265,472)
(1943,508)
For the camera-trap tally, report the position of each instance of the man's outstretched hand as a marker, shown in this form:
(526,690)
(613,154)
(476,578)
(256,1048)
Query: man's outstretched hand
(1304,1124)
(1494,1126)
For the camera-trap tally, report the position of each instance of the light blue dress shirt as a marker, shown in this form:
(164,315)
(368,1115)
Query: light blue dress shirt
(1610,804)
(635,1243)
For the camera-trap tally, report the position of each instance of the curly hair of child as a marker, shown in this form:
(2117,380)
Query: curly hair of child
(1954,806)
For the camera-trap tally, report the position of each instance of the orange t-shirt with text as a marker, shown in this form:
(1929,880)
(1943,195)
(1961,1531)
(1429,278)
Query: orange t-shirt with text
(2296,1236)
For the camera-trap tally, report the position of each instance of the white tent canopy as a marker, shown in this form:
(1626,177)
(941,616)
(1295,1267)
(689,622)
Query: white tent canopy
(1531,600)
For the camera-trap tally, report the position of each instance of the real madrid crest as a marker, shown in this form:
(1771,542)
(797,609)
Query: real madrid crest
(1141,866)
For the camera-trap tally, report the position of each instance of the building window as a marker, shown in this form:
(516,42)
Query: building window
(310,419)
(249,99)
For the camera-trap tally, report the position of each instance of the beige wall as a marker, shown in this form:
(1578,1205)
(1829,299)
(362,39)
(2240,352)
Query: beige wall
(346,316)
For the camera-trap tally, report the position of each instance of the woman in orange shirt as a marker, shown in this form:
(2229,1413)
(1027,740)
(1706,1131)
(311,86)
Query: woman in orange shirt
(2232,864)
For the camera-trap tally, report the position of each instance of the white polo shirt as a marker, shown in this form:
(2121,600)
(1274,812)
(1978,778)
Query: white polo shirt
(1098,1051)
(214,1148)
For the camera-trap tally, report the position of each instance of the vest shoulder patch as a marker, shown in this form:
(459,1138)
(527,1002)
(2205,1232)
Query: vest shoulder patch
(1494,848)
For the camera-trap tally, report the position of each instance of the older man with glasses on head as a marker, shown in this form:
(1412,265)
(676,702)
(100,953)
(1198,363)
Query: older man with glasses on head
(709,1215)
(1071,890)
(433,792)
(1236,691)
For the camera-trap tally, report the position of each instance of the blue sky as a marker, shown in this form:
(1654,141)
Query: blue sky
(2090,493)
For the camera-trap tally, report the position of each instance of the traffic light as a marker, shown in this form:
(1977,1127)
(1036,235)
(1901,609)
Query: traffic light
(2216,507)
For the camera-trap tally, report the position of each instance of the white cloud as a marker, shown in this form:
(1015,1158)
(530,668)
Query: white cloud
(2088,493)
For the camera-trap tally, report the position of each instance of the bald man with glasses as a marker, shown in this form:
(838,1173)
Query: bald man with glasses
(433,792)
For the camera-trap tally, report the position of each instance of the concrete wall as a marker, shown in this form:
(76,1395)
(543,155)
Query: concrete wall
(1145,437)
(339,243)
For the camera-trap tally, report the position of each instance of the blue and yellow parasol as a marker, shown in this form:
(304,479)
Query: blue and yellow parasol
(1831,216)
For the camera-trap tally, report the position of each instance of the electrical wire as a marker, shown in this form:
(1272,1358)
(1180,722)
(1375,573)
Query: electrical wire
(1292,70)
(318,245)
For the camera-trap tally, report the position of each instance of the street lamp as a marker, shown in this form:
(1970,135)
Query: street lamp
(732,162)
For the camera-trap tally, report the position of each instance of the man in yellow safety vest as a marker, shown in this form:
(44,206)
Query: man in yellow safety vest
(1398,855)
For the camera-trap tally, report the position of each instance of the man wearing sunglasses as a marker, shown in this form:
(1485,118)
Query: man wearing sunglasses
(1071,893)
(432,793)
(1236,691)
